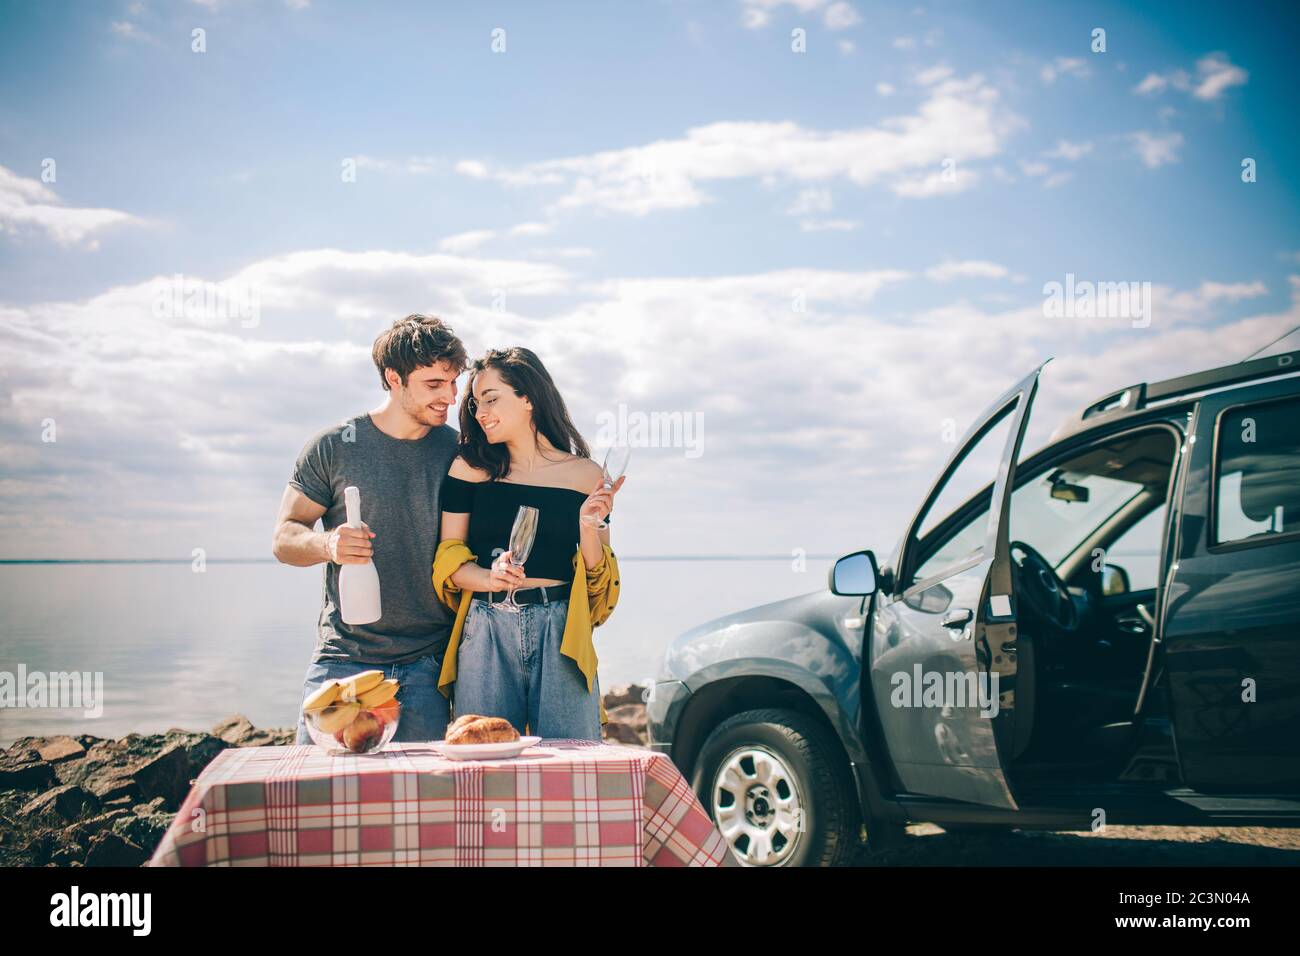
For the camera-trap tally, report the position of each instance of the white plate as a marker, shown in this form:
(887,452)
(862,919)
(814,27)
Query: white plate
(498,751)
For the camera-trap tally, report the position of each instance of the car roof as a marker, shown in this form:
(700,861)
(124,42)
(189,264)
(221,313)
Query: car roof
(1145,396)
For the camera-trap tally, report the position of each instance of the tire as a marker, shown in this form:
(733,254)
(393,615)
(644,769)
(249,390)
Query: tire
(778,762)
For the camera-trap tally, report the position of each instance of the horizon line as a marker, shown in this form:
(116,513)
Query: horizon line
(635,557)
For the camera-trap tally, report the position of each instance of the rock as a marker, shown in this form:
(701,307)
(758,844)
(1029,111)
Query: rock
(166,775)
(61,748)
(134,774)
(145,830)
(238,731)
(105,802)
(112,783)
(627,724)
(621,694)
(92,825)
(112,849)
(156,805)
(24,770)
(68,802)
(40,848)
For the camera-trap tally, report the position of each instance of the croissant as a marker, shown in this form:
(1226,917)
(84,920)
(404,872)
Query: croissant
(477,729)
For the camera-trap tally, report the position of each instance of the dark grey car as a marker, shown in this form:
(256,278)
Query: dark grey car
(1002,667)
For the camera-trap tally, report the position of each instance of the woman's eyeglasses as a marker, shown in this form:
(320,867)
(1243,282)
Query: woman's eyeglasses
(473,404)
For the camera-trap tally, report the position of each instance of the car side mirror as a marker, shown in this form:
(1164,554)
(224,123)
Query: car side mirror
(854,575)
(1114,580)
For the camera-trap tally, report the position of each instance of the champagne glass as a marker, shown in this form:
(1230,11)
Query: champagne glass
(522,536)
(616,460)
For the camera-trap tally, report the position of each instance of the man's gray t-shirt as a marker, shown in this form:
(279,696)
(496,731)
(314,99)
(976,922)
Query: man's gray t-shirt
(399,481)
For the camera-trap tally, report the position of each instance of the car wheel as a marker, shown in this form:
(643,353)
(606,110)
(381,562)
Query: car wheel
(779,788)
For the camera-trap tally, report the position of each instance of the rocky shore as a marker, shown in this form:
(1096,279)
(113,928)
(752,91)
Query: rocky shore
(89,801)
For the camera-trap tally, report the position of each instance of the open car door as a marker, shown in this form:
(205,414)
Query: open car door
(950,675)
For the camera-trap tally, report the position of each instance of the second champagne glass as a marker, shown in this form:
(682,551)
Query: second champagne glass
(522,536)
(616,460)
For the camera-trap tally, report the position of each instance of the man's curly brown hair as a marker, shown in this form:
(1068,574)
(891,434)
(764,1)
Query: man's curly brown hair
(415,342)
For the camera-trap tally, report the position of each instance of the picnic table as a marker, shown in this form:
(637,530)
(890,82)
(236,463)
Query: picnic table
(561,802)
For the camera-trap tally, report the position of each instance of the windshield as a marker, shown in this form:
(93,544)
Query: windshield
(1055,526)
(1051,525)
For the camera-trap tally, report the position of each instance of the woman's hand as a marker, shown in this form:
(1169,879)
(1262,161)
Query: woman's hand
(600,502)
(503,576)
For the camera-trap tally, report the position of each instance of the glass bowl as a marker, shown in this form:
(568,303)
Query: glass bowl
(365,733)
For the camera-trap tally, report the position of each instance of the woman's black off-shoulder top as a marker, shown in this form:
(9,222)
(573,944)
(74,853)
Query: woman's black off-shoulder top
(492,506)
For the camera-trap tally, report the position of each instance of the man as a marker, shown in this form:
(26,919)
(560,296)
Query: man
(397,456)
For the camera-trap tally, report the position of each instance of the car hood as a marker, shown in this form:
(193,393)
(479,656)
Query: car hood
(819,611)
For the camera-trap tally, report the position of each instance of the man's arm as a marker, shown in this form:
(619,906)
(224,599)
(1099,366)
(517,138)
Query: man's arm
(296,543)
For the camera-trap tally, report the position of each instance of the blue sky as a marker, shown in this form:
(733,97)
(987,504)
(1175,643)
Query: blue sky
(639,191)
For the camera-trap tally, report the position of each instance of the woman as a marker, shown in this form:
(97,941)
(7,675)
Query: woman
(537,667)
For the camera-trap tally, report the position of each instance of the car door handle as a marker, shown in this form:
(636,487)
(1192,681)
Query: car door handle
(959,617)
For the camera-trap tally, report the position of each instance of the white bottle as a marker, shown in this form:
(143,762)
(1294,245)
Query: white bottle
(358,583)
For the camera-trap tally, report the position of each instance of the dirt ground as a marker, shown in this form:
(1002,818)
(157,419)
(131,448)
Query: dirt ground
(929,845)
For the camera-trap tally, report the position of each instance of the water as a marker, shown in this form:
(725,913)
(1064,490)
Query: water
(185,649)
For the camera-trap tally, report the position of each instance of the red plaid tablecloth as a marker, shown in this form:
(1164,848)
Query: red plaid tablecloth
(561,802)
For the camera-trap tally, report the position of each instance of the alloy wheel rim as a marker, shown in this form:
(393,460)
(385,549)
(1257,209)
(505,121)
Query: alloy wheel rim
(758,806)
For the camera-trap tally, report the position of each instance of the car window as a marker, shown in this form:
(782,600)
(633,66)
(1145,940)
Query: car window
(975,472)
(1053,526)
(1138,549)
(1257,473)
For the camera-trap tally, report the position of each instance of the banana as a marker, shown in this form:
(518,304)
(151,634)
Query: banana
(333,719)
(322,698)
(381,693)
(353,687)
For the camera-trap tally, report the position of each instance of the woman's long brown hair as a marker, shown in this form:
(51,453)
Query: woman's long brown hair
(524,372)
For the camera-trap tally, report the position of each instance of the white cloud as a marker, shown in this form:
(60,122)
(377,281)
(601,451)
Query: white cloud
(904,43)
(937,183)
(1064,149)
(415,165)
(530,229)
(969,269)
(1157,83)
(1157,149)
(1065,66)
(841,16)
(147,405)
(1215,73)
(829,225)
(837,15)
(933,75)
(29,204)
(466,241)
(205,467)
(1232,291)
(564,252)
(129,31)
(885,89)
(809,201)
(961,120)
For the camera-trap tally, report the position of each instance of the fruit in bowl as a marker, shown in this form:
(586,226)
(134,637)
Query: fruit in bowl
(357,714)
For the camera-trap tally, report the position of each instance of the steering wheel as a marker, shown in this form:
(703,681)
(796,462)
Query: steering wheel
(1042,588)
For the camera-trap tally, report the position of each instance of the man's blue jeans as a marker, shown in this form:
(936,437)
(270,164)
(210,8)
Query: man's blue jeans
(510,665)
(425,712)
